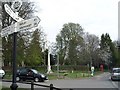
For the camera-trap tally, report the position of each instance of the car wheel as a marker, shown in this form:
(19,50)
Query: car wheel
(2,77)
(17,78)
(112,79)
(36,79)
(41,80)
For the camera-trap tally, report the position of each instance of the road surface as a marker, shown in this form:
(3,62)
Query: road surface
(97,82)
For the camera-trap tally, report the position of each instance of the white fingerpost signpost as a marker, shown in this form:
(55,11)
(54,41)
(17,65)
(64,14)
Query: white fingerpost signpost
(16,5)
(20,25)
(27,24)
(8,30)
(12,14)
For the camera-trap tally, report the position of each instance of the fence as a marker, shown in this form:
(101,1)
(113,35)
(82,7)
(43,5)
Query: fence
(51,87)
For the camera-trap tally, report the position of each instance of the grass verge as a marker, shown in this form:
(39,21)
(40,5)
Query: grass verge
(64,75)
(71,75)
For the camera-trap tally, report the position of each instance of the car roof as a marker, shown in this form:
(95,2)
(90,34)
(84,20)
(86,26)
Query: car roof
(23,68)
(115,68)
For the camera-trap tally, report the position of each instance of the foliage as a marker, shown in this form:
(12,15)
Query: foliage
(27,51)
(105,48)
(69,39)
(75,47)
(109,50)
(7,50)
(20,51)
(34,51)
(91,49)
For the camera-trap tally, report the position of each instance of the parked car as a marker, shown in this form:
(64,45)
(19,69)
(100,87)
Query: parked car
(115,74)
(2,73)
(30,74)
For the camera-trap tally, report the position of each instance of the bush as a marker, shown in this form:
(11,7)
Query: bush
(74,67)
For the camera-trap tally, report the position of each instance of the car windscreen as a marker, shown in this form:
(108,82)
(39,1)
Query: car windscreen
(35,71)
(116,71)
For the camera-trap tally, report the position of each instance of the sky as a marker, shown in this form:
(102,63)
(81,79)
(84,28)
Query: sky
(95,16)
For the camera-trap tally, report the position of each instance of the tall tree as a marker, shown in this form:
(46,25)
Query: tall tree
(92,48)
(34,53)
(20,51)
(69,39)
(7,51)
(105,45)
(115,54)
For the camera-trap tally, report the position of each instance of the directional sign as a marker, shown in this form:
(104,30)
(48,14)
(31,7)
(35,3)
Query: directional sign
(12,14)
(19,26)
(28,24)
(8,30)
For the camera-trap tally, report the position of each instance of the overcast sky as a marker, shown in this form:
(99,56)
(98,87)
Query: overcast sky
(95,16)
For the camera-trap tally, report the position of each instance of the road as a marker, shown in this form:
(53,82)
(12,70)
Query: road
(101,81)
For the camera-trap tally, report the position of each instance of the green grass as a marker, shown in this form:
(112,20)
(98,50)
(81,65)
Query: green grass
(63,75)
(70,75)
(78,75)
(8,77)
(0,87)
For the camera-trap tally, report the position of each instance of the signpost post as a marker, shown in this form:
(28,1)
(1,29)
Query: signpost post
(21,24)
(14,85)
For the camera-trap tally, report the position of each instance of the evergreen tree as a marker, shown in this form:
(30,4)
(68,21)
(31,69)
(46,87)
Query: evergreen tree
(20,51)
(34,53)
(7,50)
(108,50)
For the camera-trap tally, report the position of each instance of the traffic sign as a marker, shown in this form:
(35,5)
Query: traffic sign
(28,24)
(12,14)
(8,30)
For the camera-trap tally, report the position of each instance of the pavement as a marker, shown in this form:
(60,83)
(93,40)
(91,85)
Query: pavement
(102,75)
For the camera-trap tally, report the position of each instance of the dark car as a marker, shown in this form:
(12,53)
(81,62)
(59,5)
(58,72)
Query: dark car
(30,74)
